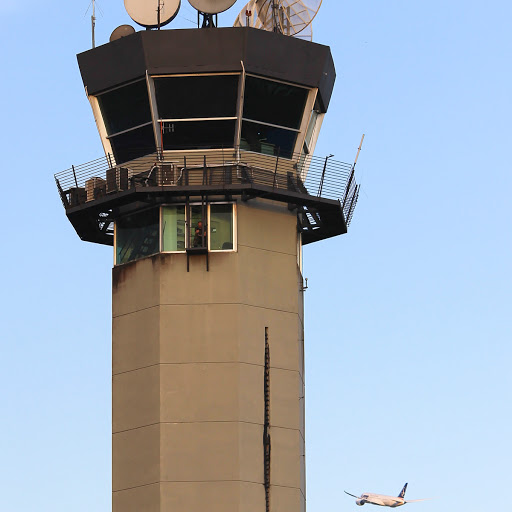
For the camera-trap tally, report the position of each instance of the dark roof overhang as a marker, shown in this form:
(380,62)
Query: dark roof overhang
(209,51)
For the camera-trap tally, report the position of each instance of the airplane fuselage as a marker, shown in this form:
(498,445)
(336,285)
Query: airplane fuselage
(380,499)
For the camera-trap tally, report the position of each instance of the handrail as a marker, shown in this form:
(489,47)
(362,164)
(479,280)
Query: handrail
(315,176)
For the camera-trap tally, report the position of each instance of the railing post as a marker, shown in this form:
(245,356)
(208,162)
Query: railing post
(323,176)
(277,164)
(347,190)
(63,197)
(74,175)
(352,206)
(109,160)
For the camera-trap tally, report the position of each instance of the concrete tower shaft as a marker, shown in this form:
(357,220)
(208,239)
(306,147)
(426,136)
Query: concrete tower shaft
(189,375)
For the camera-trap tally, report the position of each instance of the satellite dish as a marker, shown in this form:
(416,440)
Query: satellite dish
(211,6)
(122,31)
(289,17)
(152,13)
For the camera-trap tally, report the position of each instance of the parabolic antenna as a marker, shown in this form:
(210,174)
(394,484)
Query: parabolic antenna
(289,17)
(122,31)
(212,6)
(152,13)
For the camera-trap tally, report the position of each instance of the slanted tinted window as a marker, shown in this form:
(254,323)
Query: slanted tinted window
(137,236)
(274,102)
(190,97)
(173,228)
(125,107)
(221,227)
(268,140)
(198,134)
(133,144)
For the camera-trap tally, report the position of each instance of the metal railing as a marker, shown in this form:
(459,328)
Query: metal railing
(315,176)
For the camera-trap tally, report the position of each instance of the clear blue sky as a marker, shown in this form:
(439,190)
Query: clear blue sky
(408,315)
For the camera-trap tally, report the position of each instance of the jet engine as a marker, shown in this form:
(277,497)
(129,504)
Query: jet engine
(360,502)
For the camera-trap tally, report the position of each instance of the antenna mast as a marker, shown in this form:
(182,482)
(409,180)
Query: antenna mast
(275,16)
(93,22)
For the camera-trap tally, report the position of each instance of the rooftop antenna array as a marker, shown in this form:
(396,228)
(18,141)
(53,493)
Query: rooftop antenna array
(208,10)
(288,17)
(153,13)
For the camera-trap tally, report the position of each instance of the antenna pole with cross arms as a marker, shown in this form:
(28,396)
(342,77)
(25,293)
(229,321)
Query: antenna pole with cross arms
(93,23)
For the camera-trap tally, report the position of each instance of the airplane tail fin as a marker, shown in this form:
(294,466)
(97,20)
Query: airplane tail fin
(402,492)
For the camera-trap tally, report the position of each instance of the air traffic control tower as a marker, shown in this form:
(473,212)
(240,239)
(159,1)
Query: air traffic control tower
(207,191)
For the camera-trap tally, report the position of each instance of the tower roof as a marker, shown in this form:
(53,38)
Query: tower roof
(209,50)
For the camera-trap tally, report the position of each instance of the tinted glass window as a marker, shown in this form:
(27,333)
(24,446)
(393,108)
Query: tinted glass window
(267,139)
(173,228)
(133,144)
(198,228)
(199,134)
(191,97)
(137,236)
(125,107)
(275,103)
(221,227)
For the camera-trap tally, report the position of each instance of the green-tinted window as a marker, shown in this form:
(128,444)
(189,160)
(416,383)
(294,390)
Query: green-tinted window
(198,227)
(221,227)
(137,236)
(173,228)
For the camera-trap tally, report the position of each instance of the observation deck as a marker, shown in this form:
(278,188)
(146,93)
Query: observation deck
(323,191)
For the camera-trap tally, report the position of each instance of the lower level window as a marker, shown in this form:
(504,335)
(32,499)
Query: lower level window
(209,226)
(198,216)
(173,228)
(137,236)
(221,227)
(177,229)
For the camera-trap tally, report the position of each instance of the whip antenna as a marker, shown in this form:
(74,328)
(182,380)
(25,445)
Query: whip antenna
(93,22)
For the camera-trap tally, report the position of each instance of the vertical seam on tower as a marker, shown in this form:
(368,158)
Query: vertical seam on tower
(266,426)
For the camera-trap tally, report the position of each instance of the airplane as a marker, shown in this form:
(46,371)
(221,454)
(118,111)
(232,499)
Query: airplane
(382,500)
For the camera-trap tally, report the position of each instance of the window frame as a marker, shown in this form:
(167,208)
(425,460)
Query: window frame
(235,224)
(181,251)
(208,222)
(100,120)
(159,123)
(116,235)
(301,131)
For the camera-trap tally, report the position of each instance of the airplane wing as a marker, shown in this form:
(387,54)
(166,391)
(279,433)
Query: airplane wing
(353,495)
